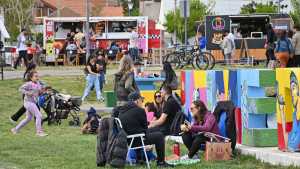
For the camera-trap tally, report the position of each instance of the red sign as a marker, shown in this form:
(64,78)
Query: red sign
(49,28)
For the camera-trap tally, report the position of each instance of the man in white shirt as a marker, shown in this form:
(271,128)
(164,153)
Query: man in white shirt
(22,48)
(133,45)
(228,47)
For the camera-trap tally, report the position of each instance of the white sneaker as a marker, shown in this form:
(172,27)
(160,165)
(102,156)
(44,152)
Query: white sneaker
(14,131)
(12,121)
(186,157)
(41,134)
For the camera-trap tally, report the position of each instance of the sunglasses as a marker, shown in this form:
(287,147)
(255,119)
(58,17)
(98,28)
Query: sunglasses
(158,96)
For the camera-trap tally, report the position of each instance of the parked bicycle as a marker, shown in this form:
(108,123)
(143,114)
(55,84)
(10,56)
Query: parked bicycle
(190,55)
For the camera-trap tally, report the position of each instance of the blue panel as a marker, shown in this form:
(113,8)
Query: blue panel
(256,91)
(257,121)
(233,86)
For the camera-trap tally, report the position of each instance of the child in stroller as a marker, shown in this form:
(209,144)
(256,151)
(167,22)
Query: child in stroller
(58,106)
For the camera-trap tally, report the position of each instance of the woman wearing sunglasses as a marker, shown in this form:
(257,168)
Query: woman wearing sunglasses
(158,102)
(204,121)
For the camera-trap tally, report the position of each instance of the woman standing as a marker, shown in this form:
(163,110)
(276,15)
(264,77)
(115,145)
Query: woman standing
(124,81)
(283,49)
(92,79)
(170,75)
(31,89)
(204,121)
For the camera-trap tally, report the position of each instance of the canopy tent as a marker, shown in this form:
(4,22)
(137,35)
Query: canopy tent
(166,7)
(3,30)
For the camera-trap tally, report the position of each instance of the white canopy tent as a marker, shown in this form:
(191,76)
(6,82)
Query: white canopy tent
(3,31)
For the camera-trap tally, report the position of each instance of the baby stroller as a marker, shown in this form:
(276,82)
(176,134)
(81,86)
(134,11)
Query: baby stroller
(58,107)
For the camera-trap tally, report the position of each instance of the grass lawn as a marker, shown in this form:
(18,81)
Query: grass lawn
(65,147)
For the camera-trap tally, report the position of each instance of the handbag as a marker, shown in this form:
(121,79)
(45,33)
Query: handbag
(217,150)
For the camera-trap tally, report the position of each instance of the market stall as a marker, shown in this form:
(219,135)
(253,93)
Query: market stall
(105,30)
(249,31)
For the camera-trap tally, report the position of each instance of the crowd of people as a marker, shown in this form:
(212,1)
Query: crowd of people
(155,119)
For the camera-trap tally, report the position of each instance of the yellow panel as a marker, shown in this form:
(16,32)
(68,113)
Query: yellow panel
(149,95)
(200,79)
(226,82)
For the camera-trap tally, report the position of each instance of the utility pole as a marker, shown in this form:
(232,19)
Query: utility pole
(87,30)
(58,2)
(175,26)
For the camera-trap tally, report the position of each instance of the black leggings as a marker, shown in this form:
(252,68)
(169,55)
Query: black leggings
(193,143)
(22,54)
(157,138)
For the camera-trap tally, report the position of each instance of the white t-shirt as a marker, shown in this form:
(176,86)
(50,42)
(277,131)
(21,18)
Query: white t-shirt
(133,41)
(22,42)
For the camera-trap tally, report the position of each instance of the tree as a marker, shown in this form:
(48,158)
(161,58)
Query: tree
(296,12)
(254,7)
(198,11)
(18,15)
(134,11)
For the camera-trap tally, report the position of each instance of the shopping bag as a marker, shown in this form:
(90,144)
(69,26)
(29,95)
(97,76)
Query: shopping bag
(217,148)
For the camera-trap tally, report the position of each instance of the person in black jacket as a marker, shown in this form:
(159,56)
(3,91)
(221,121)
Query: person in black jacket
(134,121)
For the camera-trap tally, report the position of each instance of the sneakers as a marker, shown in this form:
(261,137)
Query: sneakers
(101,99)
(164,165)
(12,121)
(13,131)
(186,157)
(41,134)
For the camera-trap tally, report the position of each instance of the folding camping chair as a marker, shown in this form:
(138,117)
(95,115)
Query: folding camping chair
(131,147)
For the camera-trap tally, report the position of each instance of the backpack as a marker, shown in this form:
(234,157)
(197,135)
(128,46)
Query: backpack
(225,117)
(179,118)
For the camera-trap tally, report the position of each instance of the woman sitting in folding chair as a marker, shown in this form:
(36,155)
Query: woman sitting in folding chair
(194,135)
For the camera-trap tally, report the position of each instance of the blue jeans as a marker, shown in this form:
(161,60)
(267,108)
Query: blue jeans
(92,80)
(101,80)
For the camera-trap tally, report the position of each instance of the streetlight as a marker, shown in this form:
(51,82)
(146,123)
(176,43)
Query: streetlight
(130,6)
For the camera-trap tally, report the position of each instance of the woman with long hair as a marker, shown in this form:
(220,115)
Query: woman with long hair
(92,79)
(204,121)
(124,81)
(31,89)
(158,102)
(171,79)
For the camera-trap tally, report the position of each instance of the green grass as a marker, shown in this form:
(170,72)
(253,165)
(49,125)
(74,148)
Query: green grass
(65,147)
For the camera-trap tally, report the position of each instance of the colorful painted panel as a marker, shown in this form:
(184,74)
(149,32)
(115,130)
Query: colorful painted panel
(257,110)
(288,115)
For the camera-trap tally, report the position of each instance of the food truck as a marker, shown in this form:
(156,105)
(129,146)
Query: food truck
(104,29)
(249,30)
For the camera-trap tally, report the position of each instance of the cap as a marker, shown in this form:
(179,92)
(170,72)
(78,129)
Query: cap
(91,111)
(134,96)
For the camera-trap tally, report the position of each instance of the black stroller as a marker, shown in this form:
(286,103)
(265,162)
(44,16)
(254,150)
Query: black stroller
(58,107)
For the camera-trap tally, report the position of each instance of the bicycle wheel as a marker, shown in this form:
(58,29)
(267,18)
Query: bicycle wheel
(173,59)
(211,59)
(202,61)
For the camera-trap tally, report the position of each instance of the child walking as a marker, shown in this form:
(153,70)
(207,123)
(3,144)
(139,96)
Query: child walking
(31,89)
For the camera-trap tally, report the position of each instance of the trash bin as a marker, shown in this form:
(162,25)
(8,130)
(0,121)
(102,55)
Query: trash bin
(110,99)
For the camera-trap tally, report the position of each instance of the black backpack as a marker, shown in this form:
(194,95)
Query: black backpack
(179,118)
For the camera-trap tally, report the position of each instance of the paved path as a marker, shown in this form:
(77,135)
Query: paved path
(271,155)
(61,71)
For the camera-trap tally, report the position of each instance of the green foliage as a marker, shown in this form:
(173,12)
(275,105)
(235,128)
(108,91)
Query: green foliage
(254,7)
(296,12)
(17,14)
(134,11)
(174,22)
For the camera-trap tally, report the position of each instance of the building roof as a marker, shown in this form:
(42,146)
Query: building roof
(77,8)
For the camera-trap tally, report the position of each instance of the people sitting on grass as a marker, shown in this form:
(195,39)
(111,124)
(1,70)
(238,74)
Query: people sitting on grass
(31,90)
(91,123)
(134,120)
(193,136)
(151,112)
(158,103)
(92,79)
(124,81)
(15,117)
(169,110)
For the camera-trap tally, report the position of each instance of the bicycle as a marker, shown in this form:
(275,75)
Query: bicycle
(182,57)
